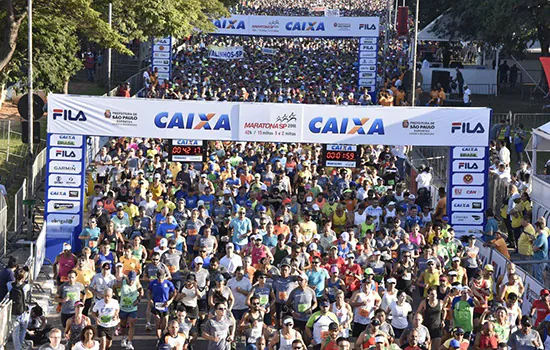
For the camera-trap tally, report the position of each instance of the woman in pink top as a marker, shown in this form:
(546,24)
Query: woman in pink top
(64,263)
(258,251)
(416,237)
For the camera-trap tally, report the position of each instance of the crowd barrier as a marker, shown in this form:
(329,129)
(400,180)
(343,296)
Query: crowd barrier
(3,225)
(6,325)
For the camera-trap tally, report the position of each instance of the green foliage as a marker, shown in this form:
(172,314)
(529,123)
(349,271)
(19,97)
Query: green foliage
(509,24)
(59,25)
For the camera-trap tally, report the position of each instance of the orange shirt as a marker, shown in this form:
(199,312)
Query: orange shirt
(284,229)
(500,245)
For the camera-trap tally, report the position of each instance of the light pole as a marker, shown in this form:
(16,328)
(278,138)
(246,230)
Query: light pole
(109,53)
(30,185)
(415,47)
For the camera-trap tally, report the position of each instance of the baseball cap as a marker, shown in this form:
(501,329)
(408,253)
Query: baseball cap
(119,264)
(452,273)
(325,303)
(106,262)
(489,268)
(391,280)
(66,246)
(257,176)
(445,218)
(391,203)
(257,237)
(227,191)
(157,176)
(369,271)
(198,260)
(303,276)
(312,246)
(525,321)
(132,275)
(316,236)
(220,278)
(456,258)
(412,197)
(120,206)
(78,303)
(380,339)
(334,269)
(345,236)
(200,202)
(544,292)
(350,255)
(288,320)
(163,242)
(203,175)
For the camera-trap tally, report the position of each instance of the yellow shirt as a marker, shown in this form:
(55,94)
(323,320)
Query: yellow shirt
(132,211)
(430,280)
(517,215)
(525,242)
(85,277)
(308,229)
(156,190)
(131,264)
(161,204)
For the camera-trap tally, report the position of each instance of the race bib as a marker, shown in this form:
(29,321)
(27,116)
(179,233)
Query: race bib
(264,299)
(364,312)
(192,232)
(302,307)
(105,319)
(73,296)
(127,302)
(160,306)
(350,280)
(92,244)
(172,269)
(283,296)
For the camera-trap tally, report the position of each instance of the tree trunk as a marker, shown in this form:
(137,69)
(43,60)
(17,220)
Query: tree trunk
(66,87)
(11,31)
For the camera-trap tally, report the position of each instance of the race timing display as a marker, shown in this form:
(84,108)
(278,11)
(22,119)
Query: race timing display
(340,156)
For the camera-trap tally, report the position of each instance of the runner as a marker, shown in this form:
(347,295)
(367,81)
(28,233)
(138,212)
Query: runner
(130,295)
(106,315)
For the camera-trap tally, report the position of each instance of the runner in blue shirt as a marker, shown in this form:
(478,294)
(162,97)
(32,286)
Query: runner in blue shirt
(161,295)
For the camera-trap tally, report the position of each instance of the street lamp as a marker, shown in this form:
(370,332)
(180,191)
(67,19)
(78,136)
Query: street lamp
(415,48)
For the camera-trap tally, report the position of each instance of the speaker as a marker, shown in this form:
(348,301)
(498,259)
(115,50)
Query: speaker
(25,132)
(442,77)
(403,21)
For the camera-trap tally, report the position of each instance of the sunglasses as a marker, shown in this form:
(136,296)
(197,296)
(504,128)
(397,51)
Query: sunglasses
(155,259)
(222,308)
(203,251)
(289,324)
(256,304)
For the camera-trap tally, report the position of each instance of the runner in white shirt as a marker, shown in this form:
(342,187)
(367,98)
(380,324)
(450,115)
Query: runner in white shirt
(105,312)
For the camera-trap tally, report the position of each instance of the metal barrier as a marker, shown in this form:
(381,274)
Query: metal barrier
(435,158)
(529,120)
(135,81)
(3,225)
(19,214)
(476,89)
(6,326)
(39,169)
(498,190)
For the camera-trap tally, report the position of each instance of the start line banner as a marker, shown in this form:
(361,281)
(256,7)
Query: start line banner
(259,122)
(290,26)
(225,53)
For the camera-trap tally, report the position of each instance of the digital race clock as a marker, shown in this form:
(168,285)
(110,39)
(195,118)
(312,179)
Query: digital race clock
(190,151)
(340,156)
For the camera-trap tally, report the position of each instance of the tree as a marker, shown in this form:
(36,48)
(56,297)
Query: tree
(509,24)
(60,25)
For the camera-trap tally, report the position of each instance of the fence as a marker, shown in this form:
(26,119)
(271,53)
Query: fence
(3,225)
(6,325)
(19,214)
(135,81)
(39,169)
(498,190)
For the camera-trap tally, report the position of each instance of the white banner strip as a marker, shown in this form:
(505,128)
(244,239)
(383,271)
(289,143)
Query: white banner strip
(225,53)
(201,120)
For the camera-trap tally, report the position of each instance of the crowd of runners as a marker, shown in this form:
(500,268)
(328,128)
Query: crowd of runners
(262,247)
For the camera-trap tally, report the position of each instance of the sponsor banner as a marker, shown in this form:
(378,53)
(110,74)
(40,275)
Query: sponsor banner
(62,153)
(65,220)
(332,12)
(468,179)
(345,27)
(202,120)
(65,167)
(468,192)
(466,165)
(467,230)
(269,51)
(65,207)
(64,180)
(63,193)
(161,52)
(467,205)
(66,140)
(225,52)
(273,125)
(368,41)
(366,54)
(467,218)
(469,152)
(340,164)
(364,68)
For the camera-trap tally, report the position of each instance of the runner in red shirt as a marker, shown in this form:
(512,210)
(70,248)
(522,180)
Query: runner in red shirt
(542,306)
(351,273)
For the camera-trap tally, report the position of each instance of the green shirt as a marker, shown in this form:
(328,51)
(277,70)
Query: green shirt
(128,295)
(463,314)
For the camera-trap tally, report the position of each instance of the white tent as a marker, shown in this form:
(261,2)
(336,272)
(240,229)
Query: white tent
(540,141)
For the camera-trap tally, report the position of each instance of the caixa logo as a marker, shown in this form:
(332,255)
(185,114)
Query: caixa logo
(67,114)
(305,26)
(467,128)
(229,24)
(358,126)
(205,121)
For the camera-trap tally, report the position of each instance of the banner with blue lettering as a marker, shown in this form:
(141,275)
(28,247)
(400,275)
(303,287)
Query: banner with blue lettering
(161,57)
(343,27)
(367,65)
(225,53)
(209,120)
(467,190)
(65,186)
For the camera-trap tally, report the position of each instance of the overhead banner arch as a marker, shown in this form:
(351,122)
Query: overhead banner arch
(203,120)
